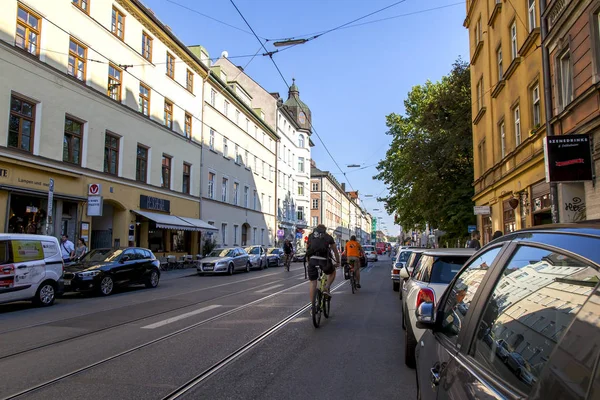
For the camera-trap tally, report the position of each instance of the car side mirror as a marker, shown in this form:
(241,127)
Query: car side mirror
(425,316)
(125,259)
(404,273)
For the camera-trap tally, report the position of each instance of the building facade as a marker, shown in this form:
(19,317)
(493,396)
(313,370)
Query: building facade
(105,100)
(508,115)
(572,42)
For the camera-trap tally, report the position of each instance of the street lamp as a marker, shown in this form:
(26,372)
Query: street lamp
(289,42)
(353,166)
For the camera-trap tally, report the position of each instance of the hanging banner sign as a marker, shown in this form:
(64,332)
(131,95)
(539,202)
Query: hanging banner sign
(568,158)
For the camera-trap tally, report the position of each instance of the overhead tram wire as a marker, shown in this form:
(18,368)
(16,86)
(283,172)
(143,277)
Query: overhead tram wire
(248,63)
(288,86)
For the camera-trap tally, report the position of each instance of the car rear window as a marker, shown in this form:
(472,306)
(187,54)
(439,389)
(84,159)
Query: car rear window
(403,256)
(445,268)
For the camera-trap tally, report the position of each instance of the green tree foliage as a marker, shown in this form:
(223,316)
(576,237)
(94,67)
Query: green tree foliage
(429,165)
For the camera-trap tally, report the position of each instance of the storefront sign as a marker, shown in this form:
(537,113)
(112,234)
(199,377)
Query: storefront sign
(50,204)
(94,189)
(3,173)
(154,203)
(481,210)
(568,158)
(84,233)
(94,206)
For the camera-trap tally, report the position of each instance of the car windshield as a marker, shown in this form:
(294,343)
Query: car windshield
(102,255)
(446,267)
(273,251)
(221,253)
(253,250)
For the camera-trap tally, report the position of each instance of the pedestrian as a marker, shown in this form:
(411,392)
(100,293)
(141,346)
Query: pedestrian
(81,249)
(474,242)
(497,234)
(67,248)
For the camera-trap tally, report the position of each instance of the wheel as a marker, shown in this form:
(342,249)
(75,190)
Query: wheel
(403,322)
(248,265)
(230,269)
(396,286)
(152,281)
(352,283)
(326,306)
(410,345)
(316,309)
(45,294)
(106,286)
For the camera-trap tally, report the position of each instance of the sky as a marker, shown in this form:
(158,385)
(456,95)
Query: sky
(350,78)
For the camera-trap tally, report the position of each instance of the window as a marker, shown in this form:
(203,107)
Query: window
(536,109)
(168,114)
(300,164)
(526,340)
(224,185)
(224,234)
(83,4)
(211,185)
(300,213)
(170,65)
(28,31)
(146,46)
(118,24)
(115,76)
(247,125)
(503,140)
(461,294)
(238,157)
(262,202)
(141,164)
(185,186)
(111,154)
(77,60)
(255,164)
(315,221)
(301,141)
(482,157)
(300,189)
(565,78)
(315,204)
(513,41)
(72,141)
(226,108)
(211,140)
(478,31)
(189,81)
(263,169)
(246,190)
(225,148)
(21,124)
(531,15)
(315,187)
(237,117)
(235,234)
(480,94)
(144,100)
(254,236)
(262,236)
(517,117)
(213,97)
(246,158)
(499,62)
(236,193)
(255,200)
(165,177)
(188,125)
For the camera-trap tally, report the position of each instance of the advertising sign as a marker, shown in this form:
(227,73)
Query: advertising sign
(85,231)
(481,210)
(154,203)
(94,206)
(568,158)
(280,233)
(27,250)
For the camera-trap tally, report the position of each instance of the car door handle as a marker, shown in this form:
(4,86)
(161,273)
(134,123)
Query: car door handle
(435,377)
(22,267)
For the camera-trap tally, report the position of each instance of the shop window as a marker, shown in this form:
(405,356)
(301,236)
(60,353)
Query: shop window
(21,124)
(509,217)
(111,154)
(141,164)
(72,141)
(165,177)
(28,31)
(186,178)
(180,241)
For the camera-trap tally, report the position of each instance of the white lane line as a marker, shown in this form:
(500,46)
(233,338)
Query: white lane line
(180,317)
(269,288)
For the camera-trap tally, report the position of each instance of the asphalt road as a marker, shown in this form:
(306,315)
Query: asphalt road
(247,336)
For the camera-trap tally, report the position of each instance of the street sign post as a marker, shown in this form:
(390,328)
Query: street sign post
(50,204)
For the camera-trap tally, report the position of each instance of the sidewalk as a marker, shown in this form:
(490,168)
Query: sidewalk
(177,273)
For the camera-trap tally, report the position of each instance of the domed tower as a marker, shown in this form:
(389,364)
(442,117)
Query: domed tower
(297,108)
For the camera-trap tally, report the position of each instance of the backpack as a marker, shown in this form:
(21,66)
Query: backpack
(318,244)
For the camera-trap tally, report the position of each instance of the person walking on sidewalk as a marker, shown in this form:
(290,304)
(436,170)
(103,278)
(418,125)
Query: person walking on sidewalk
(318,253)
(354,251)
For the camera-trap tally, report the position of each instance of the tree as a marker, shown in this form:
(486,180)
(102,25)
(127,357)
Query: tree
(429,165)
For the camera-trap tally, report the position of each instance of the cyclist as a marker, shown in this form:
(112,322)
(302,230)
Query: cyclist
(318,253)
(354,251)
(288,249)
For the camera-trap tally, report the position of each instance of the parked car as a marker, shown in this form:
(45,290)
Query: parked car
(225,260)
(275,257)
(258,256)
(537,291)
(435,270)
(397,265)
(409,265)
(370,252)
(30,268)
(103,270)
(299,255)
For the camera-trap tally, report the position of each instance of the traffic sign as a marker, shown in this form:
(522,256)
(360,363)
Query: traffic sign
(94,189)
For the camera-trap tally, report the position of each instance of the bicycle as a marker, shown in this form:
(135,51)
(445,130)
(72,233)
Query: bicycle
(288,258)
(352,277)
(320,303)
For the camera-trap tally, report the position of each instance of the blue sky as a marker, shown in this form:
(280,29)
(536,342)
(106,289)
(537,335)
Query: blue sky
(350,78)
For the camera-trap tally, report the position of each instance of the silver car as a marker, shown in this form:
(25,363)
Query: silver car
(225,260)
(434,271)
(370,252)
(398,264)
(258,256)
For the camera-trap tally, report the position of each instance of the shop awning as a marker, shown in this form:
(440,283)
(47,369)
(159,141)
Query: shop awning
(164,221)
(198,223)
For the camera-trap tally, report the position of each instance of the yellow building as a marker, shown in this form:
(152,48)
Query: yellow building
(508,115)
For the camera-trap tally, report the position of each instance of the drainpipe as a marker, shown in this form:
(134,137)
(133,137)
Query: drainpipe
(202,146)
(548,105)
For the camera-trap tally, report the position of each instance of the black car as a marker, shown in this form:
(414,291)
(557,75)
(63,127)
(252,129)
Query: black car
(521,319)
(102,270)
(275,257)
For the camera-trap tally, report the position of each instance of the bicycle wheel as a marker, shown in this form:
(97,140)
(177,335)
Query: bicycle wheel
(326,306)
(316,308)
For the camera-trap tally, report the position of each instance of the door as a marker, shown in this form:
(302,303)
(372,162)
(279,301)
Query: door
(142,265)
(29,265)
(125,271)
(240,258)
(436,352)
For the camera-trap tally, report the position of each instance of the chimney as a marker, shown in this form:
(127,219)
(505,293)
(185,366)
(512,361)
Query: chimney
(344,187)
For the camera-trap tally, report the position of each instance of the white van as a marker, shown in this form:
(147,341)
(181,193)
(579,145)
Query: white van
(30,268)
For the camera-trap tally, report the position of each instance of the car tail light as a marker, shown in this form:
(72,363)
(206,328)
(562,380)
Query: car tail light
(425,295)
(396,271)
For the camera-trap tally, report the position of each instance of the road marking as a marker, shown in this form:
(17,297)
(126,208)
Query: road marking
(269,288)
(180,317)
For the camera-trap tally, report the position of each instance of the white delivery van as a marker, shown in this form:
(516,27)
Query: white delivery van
(30,268)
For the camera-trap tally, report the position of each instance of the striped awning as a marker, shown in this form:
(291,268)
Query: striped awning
(164,221)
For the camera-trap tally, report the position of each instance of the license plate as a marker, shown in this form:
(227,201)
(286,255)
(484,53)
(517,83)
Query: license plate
(66,282)
(209,268)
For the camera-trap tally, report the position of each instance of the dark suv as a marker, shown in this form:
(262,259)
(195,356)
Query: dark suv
(520,320)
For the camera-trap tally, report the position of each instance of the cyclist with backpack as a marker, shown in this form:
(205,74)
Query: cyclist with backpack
(318,253)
